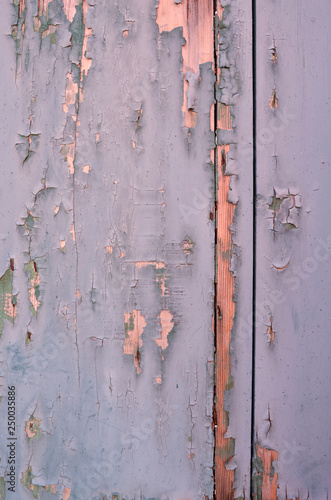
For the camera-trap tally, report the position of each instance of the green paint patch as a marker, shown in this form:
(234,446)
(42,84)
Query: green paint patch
(8,301)
(226,452)
(288,226)
(32,427)
(275,202)
(2,488)
(187,245)
(34,291)
(229,383)
(258,478)
(26,480)
(227,255)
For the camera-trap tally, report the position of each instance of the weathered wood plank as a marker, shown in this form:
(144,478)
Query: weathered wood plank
(293,250)
(112,347)
(234,268)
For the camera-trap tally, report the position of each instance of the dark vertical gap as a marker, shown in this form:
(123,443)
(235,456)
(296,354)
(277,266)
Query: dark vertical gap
(215,241)
(254,64)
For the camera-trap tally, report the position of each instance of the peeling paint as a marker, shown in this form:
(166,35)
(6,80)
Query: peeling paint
(66,494)
(69,8)
(265,477)
(157,264)
(134,324)
(27,478)
(18,29)
(34,290)
(32,427)
(195,18)
(166,326)
(273,103)
(270,332)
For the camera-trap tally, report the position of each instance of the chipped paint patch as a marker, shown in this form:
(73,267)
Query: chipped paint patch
(85,62)
(285,209)
(265,477)
(157,264)
(270,332)
(72,232)
(34,291)
(51,488)
(32,427)
(18,29)
(68,151)
(86,169)
(70,93)
(224,117)
(66,494)
(273,103)
(8,301)
(109,249)
(158,380)
(134,324)
(26,480)
(195,18)
(69,8)
(166,326)
(160,279)
(187,245)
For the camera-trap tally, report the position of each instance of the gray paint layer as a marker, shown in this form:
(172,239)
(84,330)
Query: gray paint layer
(293,372)
(146,195)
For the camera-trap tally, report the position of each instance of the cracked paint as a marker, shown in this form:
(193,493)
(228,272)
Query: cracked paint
(18,29)
(285,209)
(134,324)
(74,93)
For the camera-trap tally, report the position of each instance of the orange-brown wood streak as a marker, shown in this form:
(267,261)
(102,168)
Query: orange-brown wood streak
(196,18)
(269,484)
(225,310)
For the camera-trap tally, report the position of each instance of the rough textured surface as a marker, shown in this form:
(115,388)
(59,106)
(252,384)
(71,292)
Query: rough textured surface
(293,245)
(127,247)
(233,312)
(112,346)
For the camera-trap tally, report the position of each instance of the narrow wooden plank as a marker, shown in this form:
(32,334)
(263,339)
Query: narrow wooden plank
(293,252)
(106,145)
(234,261)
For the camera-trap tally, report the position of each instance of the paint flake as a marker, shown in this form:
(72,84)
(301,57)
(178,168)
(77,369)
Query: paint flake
(134,324)
(166,326)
